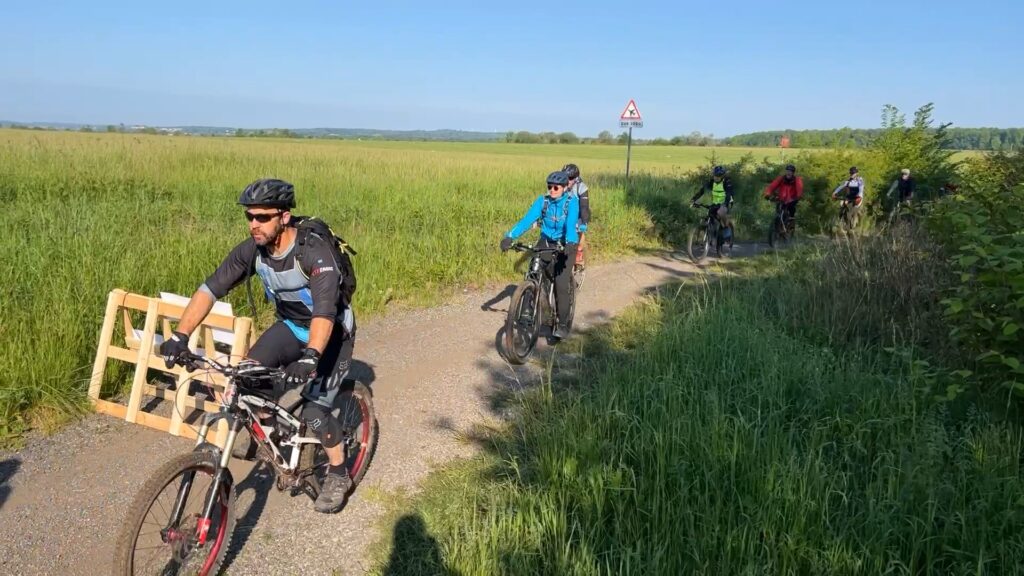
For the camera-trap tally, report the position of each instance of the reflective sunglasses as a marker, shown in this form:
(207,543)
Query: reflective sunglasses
(261,218)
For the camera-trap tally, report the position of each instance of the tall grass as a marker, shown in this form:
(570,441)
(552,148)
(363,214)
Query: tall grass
(709,434)
(86,213)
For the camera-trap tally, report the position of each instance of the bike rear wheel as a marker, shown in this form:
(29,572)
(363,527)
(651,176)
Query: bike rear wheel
(699,245)
(152,543)
(358,421)
(522,324)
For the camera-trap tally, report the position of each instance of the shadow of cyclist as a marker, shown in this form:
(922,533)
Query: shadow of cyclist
(414,550)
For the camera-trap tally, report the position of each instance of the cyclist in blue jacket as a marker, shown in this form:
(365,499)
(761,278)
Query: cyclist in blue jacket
(558,214)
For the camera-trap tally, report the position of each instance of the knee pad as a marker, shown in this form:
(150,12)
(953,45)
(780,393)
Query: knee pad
(323,425)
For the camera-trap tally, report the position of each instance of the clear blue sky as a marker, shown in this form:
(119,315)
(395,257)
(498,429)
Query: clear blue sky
(716,66)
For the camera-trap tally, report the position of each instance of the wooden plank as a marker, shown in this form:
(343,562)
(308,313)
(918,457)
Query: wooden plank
(110,408)
(99,366)
(180,400)
(142,362)
(164,308)
(240,346)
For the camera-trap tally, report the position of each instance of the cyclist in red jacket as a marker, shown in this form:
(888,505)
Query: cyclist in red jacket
(786,189)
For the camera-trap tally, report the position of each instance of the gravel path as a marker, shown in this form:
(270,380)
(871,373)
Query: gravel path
(434,373)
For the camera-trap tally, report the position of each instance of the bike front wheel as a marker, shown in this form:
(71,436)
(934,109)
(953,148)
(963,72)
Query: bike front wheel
(523,323)
(164,533)
(699,245)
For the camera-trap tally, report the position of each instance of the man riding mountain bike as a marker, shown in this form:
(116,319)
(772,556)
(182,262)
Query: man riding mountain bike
(558,214)
(577,188)
(722,189)
(314,335)
(905,185)
(787,189)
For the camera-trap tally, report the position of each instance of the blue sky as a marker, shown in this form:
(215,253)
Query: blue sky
(721,67)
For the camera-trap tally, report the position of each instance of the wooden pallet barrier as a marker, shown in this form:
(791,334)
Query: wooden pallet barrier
(222,334)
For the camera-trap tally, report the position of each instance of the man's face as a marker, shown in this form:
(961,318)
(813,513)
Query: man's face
(790,174)
(265,224)
(905,176)
(717,178)
(555,190)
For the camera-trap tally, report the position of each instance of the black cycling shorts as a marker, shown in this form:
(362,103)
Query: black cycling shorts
(278,347)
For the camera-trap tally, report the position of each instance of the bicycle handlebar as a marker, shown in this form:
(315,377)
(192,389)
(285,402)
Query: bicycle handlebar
(246,370)
(520,247)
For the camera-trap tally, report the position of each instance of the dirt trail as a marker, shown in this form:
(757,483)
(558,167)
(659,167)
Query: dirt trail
(433,373)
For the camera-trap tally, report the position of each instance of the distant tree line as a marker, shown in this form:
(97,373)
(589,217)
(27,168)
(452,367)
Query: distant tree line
(956,138)
(606,137)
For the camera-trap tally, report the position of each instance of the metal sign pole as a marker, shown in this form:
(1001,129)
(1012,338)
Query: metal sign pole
(630,118)
(629,149)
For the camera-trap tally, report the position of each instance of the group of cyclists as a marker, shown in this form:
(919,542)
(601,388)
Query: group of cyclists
(787,189)
(314,335)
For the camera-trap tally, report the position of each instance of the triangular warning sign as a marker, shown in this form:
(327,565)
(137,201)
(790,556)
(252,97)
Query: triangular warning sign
(631,112)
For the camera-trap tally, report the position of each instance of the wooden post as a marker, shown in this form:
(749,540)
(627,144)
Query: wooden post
(142,363)
(99,367)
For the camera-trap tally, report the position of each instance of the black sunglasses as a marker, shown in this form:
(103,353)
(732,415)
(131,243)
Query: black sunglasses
(555,186)
(261,218)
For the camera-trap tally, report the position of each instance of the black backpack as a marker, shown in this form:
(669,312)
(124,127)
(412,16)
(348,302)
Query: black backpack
(305,225)
(311,224)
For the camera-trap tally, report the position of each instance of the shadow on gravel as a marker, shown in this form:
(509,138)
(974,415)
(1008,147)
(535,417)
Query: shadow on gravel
(8,468)
(506,293)
(414,550)
(363,372)
(259,482)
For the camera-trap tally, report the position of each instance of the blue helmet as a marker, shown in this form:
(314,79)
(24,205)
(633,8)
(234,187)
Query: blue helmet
(718,171)
(558,178)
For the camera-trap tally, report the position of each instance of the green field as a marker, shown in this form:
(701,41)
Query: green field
(95,212)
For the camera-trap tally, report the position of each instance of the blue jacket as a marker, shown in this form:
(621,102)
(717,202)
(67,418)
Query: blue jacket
(559,221)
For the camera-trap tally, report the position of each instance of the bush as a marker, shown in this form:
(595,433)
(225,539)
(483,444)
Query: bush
(982,227)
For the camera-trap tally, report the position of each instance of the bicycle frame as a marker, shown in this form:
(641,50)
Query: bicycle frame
(240,412)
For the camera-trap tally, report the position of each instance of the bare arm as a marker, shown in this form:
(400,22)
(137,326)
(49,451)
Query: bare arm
(198,307)
(319,333)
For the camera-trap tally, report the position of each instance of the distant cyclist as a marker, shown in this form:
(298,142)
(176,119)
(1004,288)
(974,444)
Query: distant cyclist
(905,185)
(579,189)
(721,189)
(787,189)
(558,214)
(852,191)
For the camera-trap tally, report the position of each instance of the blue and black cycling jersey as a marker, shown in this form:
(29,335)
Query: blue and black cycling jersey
(300,291)
(559,219)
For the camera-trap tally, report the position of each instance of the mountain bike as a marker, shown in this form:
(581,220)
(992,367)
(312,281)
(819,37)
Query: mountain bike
(533,304)
(845,223)
(782,228)
(182,518)
(707,231)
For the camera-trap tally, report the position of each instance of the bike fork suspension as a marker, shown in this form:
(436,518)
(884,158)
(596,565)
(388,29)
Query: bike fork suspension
(218,479)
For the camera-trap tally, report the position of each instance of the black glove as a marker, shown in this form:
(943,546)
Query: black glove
(303,370)
(506,243)
(174,348)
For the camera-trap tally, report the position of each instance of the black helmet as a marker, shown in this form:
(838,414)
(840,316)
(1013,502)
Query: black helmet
(269,192)
(572,171)
(718,170)
(853,169)
(791,167)
(558,178)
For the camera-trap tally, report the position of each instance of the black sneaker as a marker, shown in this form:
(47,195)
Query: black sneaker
(560,332)
(333,492)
